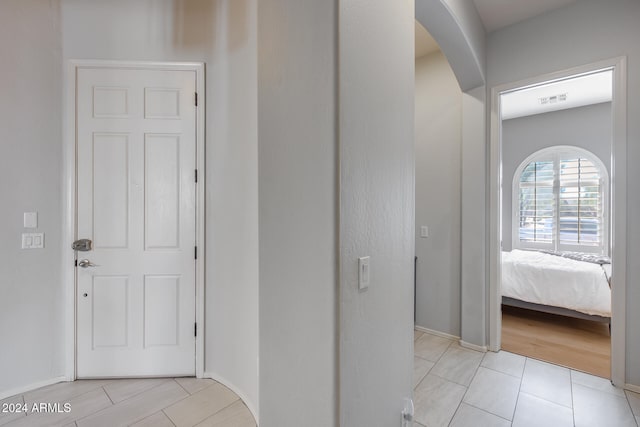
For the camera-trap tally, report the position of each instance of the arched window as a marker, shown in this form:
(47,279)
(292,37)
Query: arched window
(560,201)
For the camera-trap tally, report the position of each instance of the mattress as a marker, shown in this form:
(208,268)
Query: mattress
(556,281)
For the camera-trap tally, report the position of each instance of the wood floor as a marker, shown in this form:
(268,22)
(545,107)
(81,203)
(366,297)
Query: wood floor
(578,344)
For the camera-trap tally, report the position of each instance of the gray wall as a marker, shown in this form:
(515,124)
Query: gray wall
(221,33)
(377,209)
(31,295)
(586,127)
(438,144)
(585,32)
(298,173)
(36,39)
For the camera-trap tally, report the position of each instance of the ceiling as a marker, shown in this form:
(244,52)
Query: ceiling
(495,14)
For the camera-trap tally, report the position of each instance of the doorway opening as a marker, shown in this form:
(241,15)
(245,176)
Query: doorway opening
(556,229)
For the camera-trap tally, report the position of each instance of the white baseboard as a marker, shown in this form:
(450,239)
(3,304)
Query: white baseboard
(30,387)
(482,348)
(436,333)
(236,390)
(631,387)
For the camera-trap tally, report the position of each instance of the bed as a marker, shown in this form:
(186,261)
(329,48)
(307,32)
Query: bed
(558,283)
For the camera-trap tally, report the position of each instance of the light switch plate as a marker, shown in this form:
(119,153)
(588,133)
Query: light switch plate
(32,240)
(30,220)
(364,272)
(424,231)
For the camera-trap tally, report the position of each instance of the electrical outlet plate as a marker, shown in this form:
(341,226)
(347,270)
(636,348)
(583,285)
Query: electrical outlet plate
(32,240)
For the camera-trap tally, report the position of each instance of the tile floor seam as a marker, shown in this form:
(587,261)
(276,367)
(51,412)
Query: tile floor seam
(73,396)
(487,412)
(445,350)
(573,405)
(166,415)
(137,394)
(89,415)
(108,396)
(515,407)
(500,372)
(421,379)
(211,383)
(420,357)
(467,390)
(457,409)
(180,385)
(222,409)
(451,381)
(102,409)
(626,397)
(180,400)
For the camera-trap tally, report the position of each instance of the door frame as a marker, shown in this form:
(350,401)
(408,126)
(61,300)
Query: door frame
(70,197)
(618,214)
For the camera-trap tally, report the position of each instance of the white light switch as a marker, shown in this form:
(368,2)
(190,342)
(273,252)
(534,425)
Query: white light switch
(31,220)
(32,240)
(424,231)
(363,272)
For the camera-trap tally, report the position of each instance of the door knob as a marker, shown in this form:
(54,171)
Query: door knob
(84,263)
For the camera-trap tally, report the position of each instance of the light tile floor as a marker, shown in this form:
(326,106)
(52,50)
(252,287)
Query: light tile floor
(454,386)
(458,387)
(156,402)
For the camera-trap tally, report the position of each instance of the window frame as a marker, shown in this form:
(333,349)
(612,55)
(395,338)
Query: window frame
(556,154)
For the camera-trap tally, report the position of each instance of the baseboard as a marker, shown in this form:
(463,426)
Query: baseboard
(236,390)
(633,388)
(436,333)
(30,387)
(482,348)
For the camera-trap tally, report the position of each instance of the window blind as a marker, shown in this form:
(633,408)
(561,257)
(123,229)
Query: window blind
(561,201)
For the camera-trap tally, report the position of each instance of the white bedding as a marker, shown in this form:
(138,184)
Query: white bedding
(552,280)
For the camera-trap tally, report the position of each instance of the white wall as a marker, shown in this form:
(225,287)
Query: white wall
(298,213)
(221,33)
(585,32)
(586,127)
(31,305)
(438,144)
(376,208)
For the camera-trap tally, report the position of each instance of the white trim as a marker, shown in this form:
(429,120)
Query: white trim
(69,199)
(617,240)
(436,333)
(33,386)
(495,222)
(481,348)
(200,217)
(632,387)
(68,217)
(222,380)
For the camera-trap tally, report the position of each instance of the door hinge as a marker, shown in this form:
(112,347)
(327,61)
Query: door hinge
(195,329)
(75,262)
(196,175)
(196,99)
(195,252)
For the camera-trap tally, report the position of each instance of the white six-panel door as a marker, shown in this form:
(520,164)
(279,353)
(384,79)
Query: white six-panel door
(136,195)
